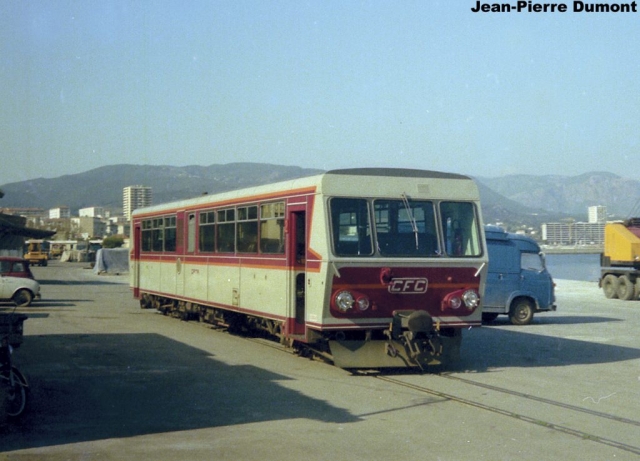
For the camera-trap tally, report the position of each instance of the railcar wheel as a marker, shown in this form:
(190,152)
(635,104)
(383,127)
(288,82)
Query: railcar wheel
(626,289)
(521,312)
(610,286)
(22,298)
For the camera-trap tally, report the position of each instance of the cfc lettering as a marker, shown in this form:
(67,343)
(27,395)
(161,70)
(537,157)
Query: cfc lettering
(408,285)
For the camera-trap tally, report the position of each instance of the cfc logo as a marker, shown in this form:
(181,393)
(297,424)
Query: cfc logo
(408,285)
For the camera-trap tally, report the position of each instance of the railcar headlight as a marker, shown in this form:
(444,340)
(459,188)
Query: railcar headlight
(344,301)
(471,299)
(363,303)
(455,303)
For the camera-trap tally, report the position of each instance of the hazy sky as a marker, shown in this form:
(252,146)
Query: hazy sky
(322,84)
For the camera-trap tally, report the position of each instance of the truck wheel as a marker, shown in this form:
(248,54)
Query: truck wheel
(521,312)
(626,289)
(610,286)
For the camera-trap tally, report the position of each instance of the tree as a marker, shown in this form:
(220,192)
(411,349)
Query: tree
(113,241)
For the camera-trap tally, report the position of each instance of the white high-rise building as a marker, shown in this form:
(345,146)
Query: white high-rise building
(91,212)
(597,214)
(134,197)
(59,212)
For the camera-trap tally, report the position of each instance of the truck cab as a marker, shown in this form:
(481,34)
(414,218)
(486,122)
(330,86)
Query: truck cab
(518,283)
(37,252)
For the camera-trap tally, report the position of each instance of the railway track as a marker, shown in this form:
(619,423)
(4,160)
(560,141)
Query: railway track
(520,415)
(577,412)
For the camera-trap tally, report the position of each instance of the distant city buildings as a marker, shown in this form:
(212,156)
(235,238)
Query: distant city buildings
(577,233)
(95,222)
(59,212)
(134,197)
(25,212)
(92,212)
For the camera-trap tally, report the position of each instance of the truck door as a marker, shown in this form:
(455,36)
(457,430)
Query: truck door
(536,279)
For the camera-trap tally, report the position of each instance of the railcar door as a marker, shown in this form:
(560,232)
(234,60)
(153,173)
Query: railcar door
(187,248)
(297,258)
(135,260)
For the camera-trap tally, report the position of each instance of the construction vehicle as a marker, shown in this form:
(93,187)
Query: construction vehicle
(37,252)
(620,261)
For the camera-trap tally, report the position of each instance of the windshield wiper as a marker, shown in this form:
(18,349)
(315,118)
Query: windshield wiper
(412,220)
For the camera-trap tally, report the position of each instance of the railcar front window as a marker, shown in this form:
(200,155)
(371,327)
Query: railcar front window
(351,227)
(405,229)
(460,229)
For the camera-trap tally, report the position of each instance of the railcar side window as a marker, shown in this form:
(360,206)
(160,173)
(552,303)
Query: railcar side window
(405,229)
(207,232)
(170,233)
(159,234)
(147,236)
(247,229)
(460,229)
(351,228)
(272,228)
(226,230)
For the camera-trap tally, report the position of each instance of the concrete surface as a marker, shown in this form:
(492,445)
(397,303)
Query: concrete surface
(113,382)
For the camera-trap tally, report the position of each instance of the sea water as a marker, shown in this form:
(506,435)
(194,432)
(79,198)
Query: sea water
(576,266)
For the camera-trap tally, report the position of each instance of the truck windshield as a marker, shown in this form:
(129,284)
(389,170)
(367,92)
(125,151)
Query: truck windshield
(532,261)
(403,228)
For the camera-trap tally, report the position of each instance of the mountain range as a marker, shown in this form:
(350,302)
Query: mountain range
(516,200)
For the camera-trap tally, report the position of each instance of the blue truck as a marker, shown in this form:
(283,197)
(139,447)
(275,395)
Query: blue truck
(518,283)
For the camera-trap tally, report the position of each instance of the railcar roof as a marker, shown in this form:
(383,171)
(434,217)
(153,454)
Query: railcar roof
(303,182)
(398,172)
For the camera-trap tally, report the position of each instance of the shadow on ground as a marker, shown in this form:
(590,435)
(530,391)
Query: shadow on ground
(488,348)
(95,387)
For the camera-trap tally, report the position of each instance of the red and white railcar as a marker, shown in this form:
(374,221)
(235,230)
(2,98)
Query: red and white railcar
(367,267)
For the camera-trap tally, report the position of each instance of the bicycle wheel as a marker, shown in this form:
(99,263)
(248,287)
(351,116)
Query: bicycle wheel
(16,394)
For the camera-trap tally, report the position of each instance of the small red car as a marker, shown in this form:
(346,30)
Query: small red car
(15,267)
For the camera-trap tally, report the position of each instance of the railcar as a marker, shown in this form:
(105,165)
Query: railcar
(369,268)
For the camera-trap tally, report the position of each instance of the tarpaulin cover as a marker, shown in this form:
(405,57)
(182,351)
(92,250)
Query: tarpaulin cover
(112,261)
(74,256)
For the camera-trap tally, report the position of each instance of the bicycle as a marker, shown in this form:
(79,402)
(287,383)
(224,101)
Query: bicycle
(14,385)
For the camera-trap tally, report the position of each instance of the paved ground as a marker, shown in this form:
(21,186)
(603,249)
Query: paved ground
(113,382)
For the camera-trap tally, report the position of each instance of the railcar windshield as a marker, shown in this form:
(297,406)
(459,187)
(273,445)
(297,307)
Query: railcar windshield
(404,228)
(351,227)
